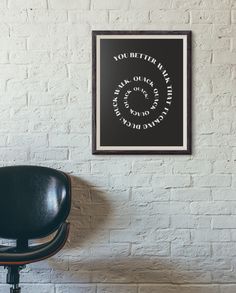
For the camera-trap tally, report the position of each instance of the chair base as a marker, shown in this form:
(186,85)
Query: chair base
(15,289)
(13,277)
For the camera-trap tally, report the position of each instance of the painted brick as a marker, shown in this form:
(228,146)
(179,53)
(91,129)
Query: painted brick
(169,16)
(47,71)
(116,288)
(227,288)
(112,166)
(223,249)
(128,16)
(12,71)
(75,289)
(29,57)
(207,235)
(212,44)
(224,194)
(70,4)
(49,154)
(90,16)
(27,140)
(211,208)
(225,58)
(224,222)
(38,289)
(191,4)
(148,166)
(150,194)
(173,235)
(29,29)
(159,249)
(4,29)
(224,167)
(190,194)
(27,4)
(223,30)
(12,43)
(3,57)
(13,15)
(196,250)
(178,288)
(210,16)
(234,16)
(47,16)
(190,222)
(192,167)
(150,4)
(3,4)
(110,4)
(74,140)
(212,181)
(139,224)
(171,181)
(47,43)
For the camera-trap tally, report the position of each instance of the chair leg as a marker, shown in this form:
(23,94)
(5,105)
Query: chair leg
(13,277)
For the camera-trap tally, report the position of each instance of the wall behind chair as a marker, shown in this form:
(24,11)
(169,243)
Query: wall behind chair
(140,224)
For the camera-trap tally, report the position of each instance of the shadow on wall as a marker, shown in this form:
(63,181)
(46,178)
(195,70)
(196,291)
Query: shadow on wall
(92,258)
(90,210)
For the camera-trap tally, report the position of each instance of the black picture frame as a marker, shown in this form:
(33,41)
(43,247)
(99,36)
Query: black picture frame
(134,91)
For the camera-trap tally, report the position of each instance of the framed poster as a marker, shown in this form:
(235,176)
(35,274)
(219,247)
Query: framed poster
(141,92)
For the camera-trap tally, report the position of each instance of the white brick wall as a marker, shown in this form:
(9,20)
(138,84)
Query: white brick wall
(140,224)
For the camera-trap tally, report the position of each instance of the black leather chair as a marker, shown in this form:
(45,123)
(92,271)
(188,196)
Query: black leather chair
(34,203)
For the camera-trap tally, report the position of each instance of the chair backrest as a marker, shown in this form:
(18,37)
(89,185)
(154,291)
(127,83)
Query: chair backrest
(34,201)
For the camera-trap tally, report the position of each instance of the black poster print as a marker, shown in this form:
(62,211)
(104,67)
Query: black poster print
(140,93)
